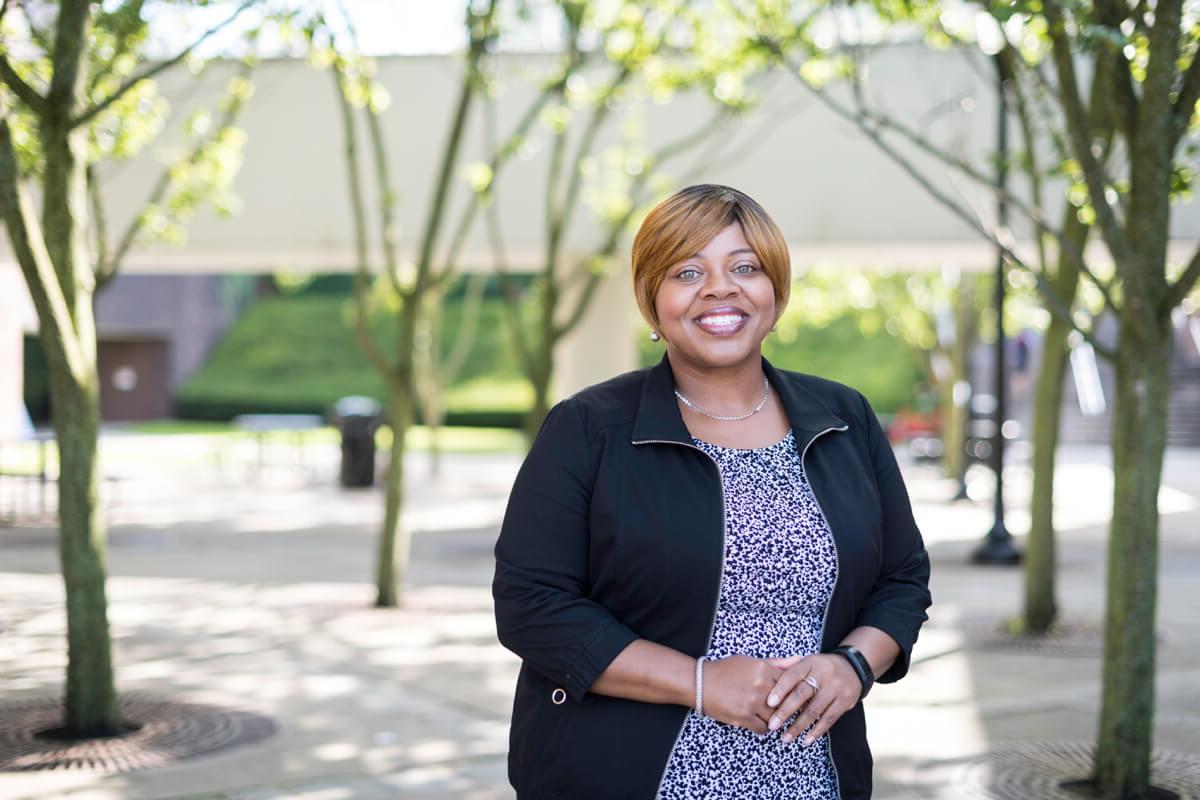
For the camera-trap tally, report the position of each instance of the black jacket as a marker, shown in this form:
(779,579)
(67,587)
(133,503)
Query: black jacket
(614,532)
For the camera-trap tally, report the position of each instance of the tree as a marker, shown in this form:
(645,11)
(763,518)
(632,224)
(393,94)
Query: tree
(401,291)
(1143,106)
(648,50)
(74,95)
(935,315)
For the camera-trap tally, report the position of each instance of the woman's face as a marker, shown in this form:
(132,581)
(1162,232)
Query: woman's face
(715,308)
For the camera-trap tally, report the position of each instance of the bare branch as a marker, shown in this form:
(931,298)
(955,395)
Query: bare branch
(124,39)
(426,273)
(1081,136)
(464,337)
(1009,56)
(600,112)
(387,204)
(512,292)
(107,266)
(28,245)
(358,213)
(617,227)
(100,227)
(1189,94)
(26,93)
(151,72)
(500,156)
(1182,285)
(1056,304)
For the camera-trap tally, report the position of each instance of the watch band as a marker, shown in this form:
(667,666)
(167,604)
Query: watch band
(860,665)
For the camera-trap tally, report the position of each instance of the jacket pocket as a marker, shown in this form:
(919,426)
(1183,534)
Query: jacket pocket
(541,712)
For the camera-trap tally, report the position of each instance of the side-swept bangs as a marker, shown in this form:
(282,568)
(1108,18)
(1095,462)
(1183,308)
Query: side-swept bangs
(680,226)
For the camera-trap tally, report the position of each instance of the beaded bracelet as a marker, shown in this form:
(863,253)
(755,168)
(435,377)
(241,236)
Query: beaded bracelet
(700,684)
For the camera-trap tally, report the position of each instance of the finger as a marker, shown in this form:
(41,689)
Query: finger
(815,709)
(786,662)
(829,716)
(785,683)
(792,704)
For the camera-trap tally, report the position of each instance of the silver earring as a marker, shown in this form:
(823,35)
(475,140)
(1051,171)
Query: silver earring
(654,337)
(774,328)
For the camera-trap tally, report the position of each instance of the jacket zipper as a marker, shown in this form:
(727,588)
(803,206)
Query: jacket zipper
(837,571)
(712,625)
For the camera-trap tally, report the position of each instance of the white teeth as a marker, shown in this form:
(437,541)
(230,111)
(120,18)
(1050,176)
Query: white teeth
(721,320)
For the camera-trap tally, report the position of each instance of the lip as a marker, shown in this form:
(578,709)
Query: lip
(722,321)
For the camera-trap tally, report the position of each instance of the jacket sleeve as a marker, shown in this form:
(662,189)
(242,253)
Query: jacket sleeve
(543,613)
(900,595)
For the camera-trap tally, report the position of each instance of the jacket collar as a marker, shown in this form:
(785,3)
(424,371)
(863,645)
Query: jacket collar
(658,418)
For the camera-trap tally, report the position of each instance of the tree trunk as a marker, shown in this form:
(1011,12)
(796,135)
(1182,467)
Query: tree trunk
(91,699)
(1138,443)
(954,426)
(954,432)
(1040,562)
(541,398)
(392,561)
(433,413)
(1041,607)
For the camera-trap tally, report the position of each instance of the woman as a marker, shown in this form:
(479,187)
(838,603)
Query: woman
(705,565)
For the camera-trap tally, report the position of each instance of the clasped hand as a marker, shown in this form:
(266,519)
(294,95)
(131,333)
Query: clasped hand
(764,694)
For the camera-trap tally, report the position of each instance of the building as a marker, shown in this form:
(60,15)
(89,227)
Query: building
(838,199)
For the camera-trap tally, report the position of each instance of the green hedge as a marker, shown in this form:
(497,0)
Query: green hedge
(296,354)
(878,364)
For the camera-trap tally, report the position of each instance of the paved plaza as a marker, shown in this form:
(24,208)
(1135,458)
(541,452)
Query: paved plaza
(248,587)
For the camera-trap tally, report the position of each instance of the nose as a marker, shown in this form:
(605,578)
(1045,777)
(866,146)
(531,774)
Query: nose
(720,285)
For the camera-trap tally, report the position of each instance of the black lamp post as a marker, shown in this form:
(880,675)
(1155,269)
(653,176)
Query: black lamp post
(997,546)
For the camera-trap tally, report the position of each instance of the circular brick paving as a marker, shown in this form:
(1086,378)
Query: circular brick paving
(169,731)
(1039,770)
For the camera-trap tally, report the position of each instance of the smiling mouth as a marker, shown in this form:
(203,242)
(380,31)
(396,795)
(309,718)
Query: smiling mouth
(723,323)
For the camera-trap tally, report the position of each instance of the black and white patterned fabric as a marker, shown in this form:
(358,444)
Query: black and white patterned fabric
(779,573)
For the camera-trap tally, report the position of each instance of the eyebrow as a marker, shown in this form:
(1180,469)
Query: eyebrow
(730,253)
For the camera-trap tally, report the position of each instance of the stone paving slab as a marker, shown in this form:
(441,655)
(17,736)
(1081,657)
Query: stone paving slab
(254,597)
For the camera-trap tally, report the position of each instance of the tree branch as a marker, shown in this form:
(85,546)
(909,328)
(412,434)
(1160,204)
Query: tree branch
(107,267)
(387,204)
(464,337)
(26,93)
(1056,305)
(358,213)
(873,123)
(512,292)
(1189,94)
(600,113)
(129,11)
(29,247)
(1182,285)
(151,72)
(1080,136)
(100,223)
(498,159)
(618,226)
(433,221)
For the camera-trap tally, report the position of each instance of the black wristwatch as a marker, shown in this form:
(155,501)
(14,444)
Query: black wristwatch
(860,664)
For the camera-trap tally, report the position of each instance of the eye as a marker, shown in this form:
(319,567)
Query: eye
(689,273)
(745,267)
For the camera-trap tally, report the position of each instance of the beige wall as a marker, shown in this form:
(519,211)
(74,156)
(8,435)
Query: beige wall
(836,197)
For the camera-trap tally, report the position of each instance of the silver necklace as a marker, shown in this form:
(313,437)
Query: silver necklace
(761,405)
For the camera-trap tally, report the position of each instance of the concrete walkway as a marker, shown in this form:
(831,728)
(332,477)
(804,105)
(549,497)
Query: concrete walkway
(252,591)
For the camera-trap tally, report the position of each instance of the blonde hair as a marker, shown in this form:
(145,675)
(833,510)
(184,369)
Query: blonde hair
(680,226)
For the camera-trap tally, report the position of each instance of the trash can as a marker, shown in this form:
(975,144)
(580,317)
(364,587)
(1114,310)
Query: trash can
(357,418)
